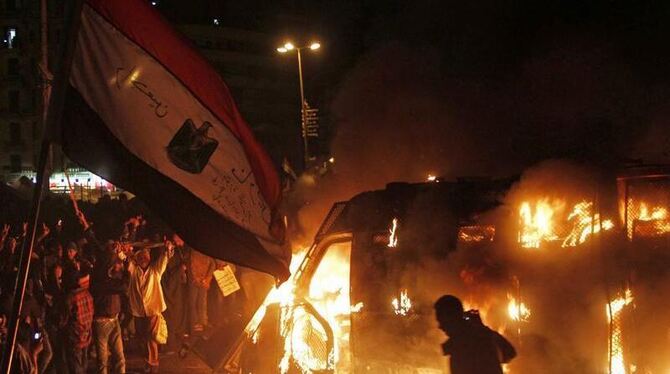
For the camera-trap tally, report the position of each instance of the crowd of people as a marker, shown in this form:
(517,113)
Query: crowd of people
(104,280)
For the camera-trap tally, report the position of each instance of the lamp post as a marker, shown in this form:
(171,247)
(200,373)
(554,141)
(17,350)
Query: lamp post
(288,47)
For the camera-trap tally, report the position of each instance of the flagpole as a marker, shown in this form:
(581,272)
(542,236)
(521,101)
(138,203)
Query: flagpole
(54,113)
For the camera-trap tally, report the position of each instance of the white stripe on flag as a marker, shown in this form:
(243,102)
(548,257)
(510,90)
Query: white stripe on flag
(144,106)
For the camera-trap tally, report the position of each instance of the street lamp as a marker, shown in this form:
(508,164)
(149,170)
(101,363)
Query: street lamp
(288,47)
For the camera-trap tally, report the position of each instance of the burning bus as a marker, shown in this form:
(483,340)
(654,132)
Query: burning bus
(571,272)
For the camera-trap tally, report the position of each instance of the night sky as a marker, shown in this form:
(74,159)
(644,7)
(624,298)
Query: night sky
(482,87)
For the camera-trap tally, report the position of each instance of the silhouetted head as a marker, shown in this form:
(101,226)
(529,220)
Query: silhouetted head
(449,312)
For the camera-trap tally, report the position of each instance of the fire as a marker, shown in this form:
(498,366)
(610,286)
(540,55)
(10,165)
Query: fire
(613,311)
(517,310)
(431,178)
(646,221)
(393,237)
(357,308)
(329,294)
(476,233)
(584,223)
(537,225)
(544,222)
(403,305)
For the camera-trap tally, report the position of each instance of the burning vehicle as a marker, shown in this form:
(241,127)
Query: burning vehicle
(572,273)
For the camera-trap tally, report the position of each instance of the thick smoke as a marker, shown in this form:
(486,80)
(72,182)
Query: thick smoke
(404,111)
(407,110)
(566,289)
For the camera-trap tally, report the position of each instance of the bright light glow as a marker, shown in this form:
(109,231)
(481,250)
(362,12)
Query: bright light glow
(402,306)
(329,294)
(645,219)
(517,311)
(216,21)
(331,160)
(618,364)
(431,178)
(537,224)
(314,46)
(282,50)
(548,220)
(393,236)
(289,46)
(11,34)
(584,223)
(476,233)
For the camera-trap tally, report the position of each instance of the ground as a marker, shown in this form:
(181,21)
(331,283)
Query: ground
(171,364)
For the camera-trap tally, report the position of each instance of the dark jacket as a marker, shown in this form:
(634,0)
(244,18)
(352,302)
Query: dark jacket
(107,287)
(476,349)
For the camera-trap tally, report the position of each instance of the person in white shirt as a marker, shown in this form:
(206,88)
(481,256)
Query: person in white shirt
(146,299)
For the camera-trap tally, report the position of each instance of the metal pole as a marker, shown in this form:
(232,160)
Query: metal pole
(302,113)
(24,262)
(46,75)
(55,110)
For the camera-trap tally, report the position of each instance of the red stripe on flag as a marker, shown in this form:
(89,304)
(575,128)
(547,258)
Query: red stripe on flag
(143,25)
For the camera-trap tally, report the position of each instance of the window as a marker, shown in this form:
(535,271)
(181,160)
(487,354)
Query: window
(13,66)
(14,101)
(14,132)
(15,163)
(10,37)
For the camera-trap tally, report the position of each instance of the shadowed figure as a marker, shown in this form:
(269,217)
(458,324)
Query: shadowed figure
(472,347)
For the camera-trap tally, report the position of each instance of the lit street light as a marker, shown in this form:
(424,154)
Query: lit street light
(287,47)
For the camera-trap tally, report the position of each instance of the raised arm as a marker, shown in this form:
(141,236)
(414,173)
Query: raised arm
(166,254)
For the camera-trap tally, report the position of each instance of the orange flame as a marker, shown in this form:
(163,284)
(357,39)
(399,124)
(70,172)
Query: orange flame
(613,309)
(393,237)
(403,305)
(584,223)
(646,221)
(547,222)
(537,225)
(476,233)
(517,311)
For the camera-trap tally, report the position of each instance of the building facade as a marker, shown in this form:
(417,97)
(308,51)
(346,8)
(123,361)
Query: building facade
(21,81)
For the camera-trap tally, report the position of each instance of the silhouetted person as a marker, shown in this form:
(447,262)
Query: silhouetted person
(473,348)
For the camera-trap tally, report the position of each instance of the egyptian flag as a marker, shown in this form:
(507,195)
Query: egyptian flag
(145,111)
